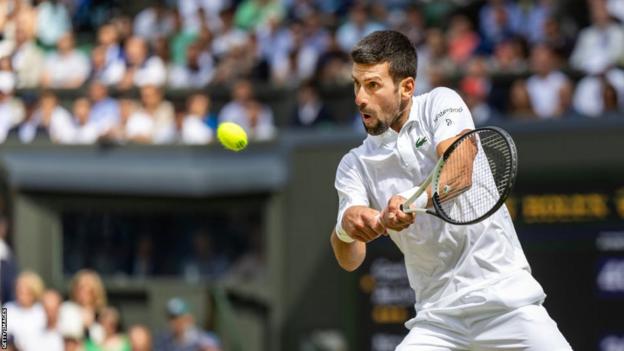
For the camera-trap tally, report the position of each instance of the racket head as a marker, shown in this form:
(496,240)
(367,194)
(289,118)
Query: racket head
(494,171)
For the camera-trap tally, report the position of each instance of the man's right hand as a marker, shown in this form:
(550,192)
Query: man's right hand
(362,223)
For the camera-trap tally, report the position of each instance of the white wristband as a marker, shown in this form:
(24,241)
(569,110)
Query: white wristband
(342,234)
(421,201)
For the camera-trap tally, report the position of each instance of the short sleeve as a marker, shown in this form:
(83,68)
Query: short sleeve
(448,115)
(350,185)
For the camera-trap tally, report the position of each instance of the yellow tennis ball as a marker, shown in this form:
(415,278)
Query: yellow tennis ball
(232,136)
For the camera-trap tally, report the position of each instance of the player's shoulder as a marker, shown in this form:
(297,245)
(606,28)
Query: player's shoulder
(441,94)
(437,102)
(351,158)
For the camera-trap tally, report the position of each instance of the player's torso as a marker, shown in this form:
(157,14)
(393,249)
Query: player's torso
(441,259)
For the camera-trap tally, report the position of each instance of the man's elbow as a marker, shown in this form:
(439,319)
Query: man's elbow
(349,266)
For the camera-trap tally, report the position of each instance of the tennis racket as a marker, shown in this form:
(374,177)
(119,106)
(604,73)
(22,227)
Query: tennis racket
(472,179)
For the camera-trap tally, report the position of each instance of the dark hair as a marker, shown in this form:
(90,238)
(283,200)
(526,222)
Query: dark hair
(387,46)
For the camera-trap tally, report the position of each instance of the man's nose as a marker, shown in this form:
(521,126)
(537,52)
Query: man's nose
(360,97)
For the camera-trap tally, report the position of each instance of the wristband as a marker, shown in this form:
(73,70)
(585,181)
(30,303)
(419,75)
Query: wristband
(342,234)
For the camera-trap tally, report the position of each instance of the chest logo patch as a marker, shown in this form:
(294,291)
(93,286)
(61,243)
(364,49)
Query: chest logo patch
(420,142)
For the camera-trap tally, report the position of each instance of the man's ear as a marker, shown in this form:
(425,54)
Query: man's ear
(407,87)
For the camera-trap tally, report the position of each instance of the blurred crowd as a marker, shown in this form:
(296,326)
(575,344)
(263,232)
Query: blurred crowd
(40,319)
(532,59)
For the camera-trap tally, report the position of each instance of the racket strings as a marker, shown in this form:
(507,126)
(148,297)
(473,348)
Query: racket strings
(476,175)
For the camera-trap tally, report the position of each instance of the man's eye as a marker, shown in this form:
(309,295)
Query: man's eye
(373,85)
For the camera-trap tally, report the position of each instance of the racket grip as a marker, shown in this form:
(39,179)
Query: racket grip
(419,199)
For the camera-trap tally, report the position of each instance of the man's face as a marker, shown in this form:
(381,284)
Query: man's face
(376,96)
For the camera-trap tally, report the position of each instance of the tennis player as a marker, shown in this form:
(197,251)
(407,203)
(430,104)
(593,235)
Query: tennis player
(473,285)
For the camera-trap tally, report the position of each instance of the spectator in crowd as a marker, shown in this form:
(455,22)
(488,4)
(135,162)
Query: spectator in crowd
(155,21)
(86,132)
(123,25)
(195,130)
(11,108)
(509,57)
(616,9)
(14,14)
(8,264)
(72,326)
(140,338)
(108,39)
(53,22)
(310,110)
(499,20)
(596,94)
(107,73)
(50,338)
(534,14)
(191,11)
(195,73)
(104,109)
(295,61)
(252,265)
(357,27)
(475,88)
(139,127)
(181,38)
(251,14)
(160,111)
(134,125)
(49,120)
(520,101)
(27,59)
(275,38)
(141,68)
(229,36)
(183,333)
(242,62)
(462,40)
(412,24)
(26,315)
(549,89)
(433,60)
(554,37)
(160,49)
(334,65)
(143,264)
(245,110)
(67,68)
(601,45)
(113,339)
(315,35)
(88,297)
(205,261)
(610,100)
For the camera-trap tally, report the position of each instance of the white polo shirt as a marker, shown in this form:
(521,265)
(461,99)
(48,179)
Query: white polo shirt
(448,266)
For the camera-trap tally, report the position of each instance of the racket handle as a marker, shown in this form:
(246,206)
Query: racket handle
(419,199)
(413,210)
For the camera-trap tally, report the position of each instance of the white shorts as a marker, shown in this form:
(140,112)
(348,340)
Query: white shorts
(527,328)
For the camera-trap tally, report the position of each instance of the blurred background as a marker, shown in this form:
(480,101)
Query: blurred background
(125,226)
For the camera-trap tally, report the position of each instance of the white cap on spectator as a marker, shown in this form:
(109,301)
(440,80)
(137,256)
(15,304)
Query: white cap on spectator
(70,321)
(7,82)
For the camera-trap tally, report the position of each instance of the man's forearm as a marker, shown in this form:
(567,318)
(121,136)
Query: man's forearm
(349,255)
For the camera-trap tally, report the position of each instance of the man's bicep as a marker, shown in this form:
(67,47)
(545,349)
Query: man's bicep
(444,144)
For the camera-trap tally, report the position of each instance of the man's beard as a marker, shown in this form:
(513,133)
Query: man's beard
(382,126)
